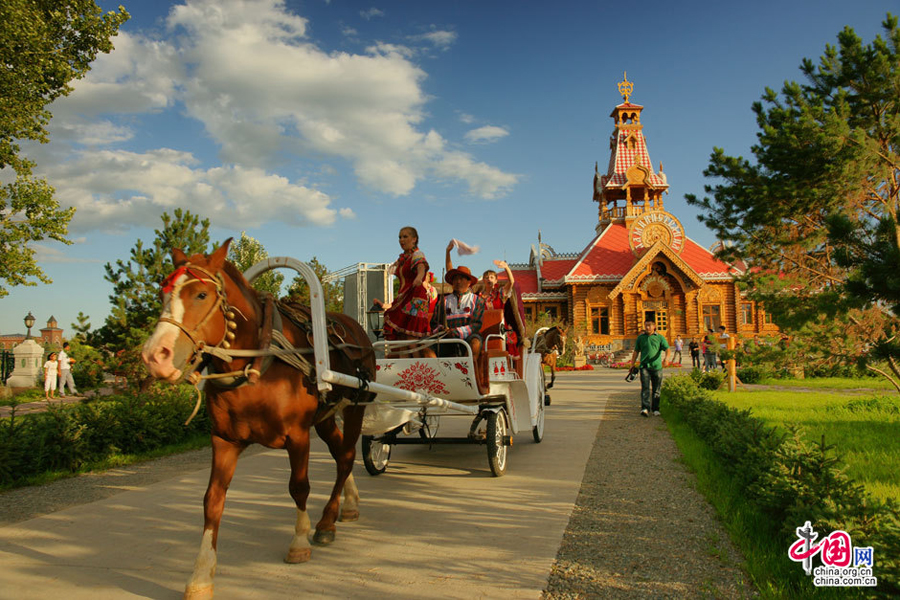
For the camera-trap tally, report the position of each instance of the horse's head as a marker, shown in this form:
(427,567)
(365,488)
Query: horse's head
(195,314)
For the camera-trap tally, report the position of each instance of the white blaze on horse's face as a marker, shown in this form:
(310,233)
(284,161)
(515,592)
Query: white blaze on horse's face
(158,351)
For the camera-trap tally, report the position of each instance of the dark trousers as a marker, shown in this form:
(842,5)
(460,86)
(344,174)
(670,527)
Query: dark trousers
(695,360)
(651,386)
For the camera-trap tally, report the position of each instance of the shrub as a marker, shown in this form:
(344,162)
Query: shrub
(789,479)
(752,374)
(711,380)
(68,437)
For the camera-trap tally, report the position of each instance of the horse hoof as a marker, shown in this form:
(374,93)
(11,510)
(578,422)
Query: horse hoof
(349,515)
(198,593)
(298,555)
(323,537)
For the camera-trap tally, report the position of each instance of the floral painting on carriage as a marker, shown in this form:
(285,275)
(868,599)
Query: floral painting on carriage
(449,379)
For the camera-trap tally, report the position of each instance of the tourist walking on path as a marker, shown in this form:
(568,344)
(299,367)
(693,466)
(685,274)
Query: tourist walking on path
(51,373)
(65,372)
(694,347)
(679,346)
(650,346)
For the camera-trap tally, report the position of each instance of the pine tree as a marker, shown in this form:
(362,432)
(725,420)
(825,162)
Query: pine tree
(816,213)
(83,327)
(135,299)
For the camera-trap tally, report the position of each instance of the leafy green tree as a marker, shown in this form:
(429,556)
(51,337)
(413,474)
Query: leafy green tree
(816,213)
(246,252)
(44,45)
(334,290)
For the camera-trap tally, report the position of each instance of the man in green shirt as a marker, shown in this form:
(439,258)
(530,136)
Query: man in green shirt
(650,345)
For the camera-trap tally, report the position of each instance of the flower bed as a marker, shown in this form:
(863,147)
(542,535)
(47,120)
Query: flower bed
(571,368)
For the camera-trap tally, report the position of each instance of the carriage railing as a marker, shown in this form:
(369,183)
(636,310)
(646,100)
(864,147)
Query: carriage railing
(398,346)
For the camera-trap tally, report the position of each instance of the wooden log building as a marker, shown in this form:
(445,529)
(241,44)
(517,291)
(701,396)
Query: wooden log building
(641,264)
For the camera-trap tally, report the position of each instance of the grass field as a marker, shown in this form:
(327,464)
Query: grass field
(832,383)
(865,429)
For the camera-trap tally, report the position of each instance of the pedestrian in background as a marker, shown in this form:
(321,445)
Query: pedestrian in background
(65,372)
(51,374)
(679,346)
(709,352)
(694,347)
(650,346)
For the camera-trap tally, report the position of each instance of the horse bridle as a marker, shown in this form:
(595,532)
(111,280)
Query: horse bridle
(221,304)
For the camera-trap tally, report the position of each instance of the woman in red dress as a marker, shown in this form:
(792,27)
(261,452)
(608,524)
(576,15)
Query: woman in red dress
(407,317)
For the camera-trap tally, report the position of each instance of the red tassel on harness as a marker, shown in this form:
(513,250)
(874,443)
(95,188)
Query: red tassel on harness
(168,283)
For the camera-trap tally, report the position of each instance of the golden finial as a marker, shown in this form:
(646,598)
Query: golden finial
(625,87)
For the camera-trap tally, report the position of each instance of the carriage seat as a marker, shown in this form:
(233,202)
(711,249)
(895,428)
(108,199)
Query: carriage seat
(491,324)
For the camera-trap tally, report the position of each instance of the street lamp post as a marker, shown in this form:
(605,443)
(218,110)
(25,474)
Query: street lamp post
(29,322)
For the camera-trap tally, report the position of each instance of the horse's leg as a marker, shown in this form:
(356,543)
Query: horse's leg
(224,460)
(343,450)
(298,452)
(552,373)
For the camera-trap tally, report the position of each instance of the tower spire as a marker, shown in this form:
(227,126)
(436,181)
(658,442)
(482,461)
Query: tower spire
(625,87)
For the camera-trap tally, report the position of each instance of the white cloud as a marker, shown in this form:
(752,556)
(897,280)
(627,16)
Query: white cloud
(140,75)
(439,39)
(484,180)
(89,133)
(349,31)
(488,133)
(266,97)
(370,14)
(116,190)
(466,118)
(347,213)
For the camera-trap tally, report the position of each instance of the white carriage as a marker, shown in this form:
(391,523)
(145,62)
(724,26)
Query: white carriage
(415,394)
(446,387)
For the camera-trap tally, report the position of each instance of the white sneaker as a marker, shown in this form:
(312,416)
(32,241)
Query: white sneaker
(645,413)
(655,413)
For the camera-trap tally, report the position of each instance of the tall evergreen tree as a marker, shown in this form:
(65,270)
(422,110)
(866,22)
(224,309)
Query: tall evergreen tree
(44,45)
(816,213)
(246,252)
(135,299)
(82,327)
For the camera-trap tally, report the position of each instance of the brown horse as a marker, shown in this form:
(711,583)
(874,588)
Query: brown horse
(551,343)
(209,311)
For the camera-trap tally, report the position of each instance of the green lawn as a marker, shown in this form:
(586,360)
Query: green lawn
(833,383)
(865,429)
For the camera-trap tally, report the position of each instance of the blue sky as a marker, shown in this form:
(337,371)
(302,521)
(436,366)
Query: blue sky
(322,127)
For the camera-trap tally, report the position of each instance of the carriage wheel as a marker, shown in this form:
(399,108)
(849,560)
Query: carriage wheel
(376,455)
(497,431)
(429,428)
(538,430)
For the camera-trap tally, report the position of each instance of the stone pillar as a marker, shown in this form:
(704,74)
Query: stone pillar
(28,372)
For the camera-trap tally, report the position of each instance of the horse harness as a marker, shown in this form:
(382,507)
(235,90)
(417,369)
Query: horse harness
(273,343)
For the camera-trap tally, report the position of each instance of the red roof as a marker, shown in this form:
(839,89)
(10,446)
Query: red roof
(608,255)
(702,260)
(526,278)
(555,270)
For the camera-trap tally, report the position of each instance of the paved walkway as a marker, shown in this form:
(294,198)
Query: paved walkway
(436,525)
